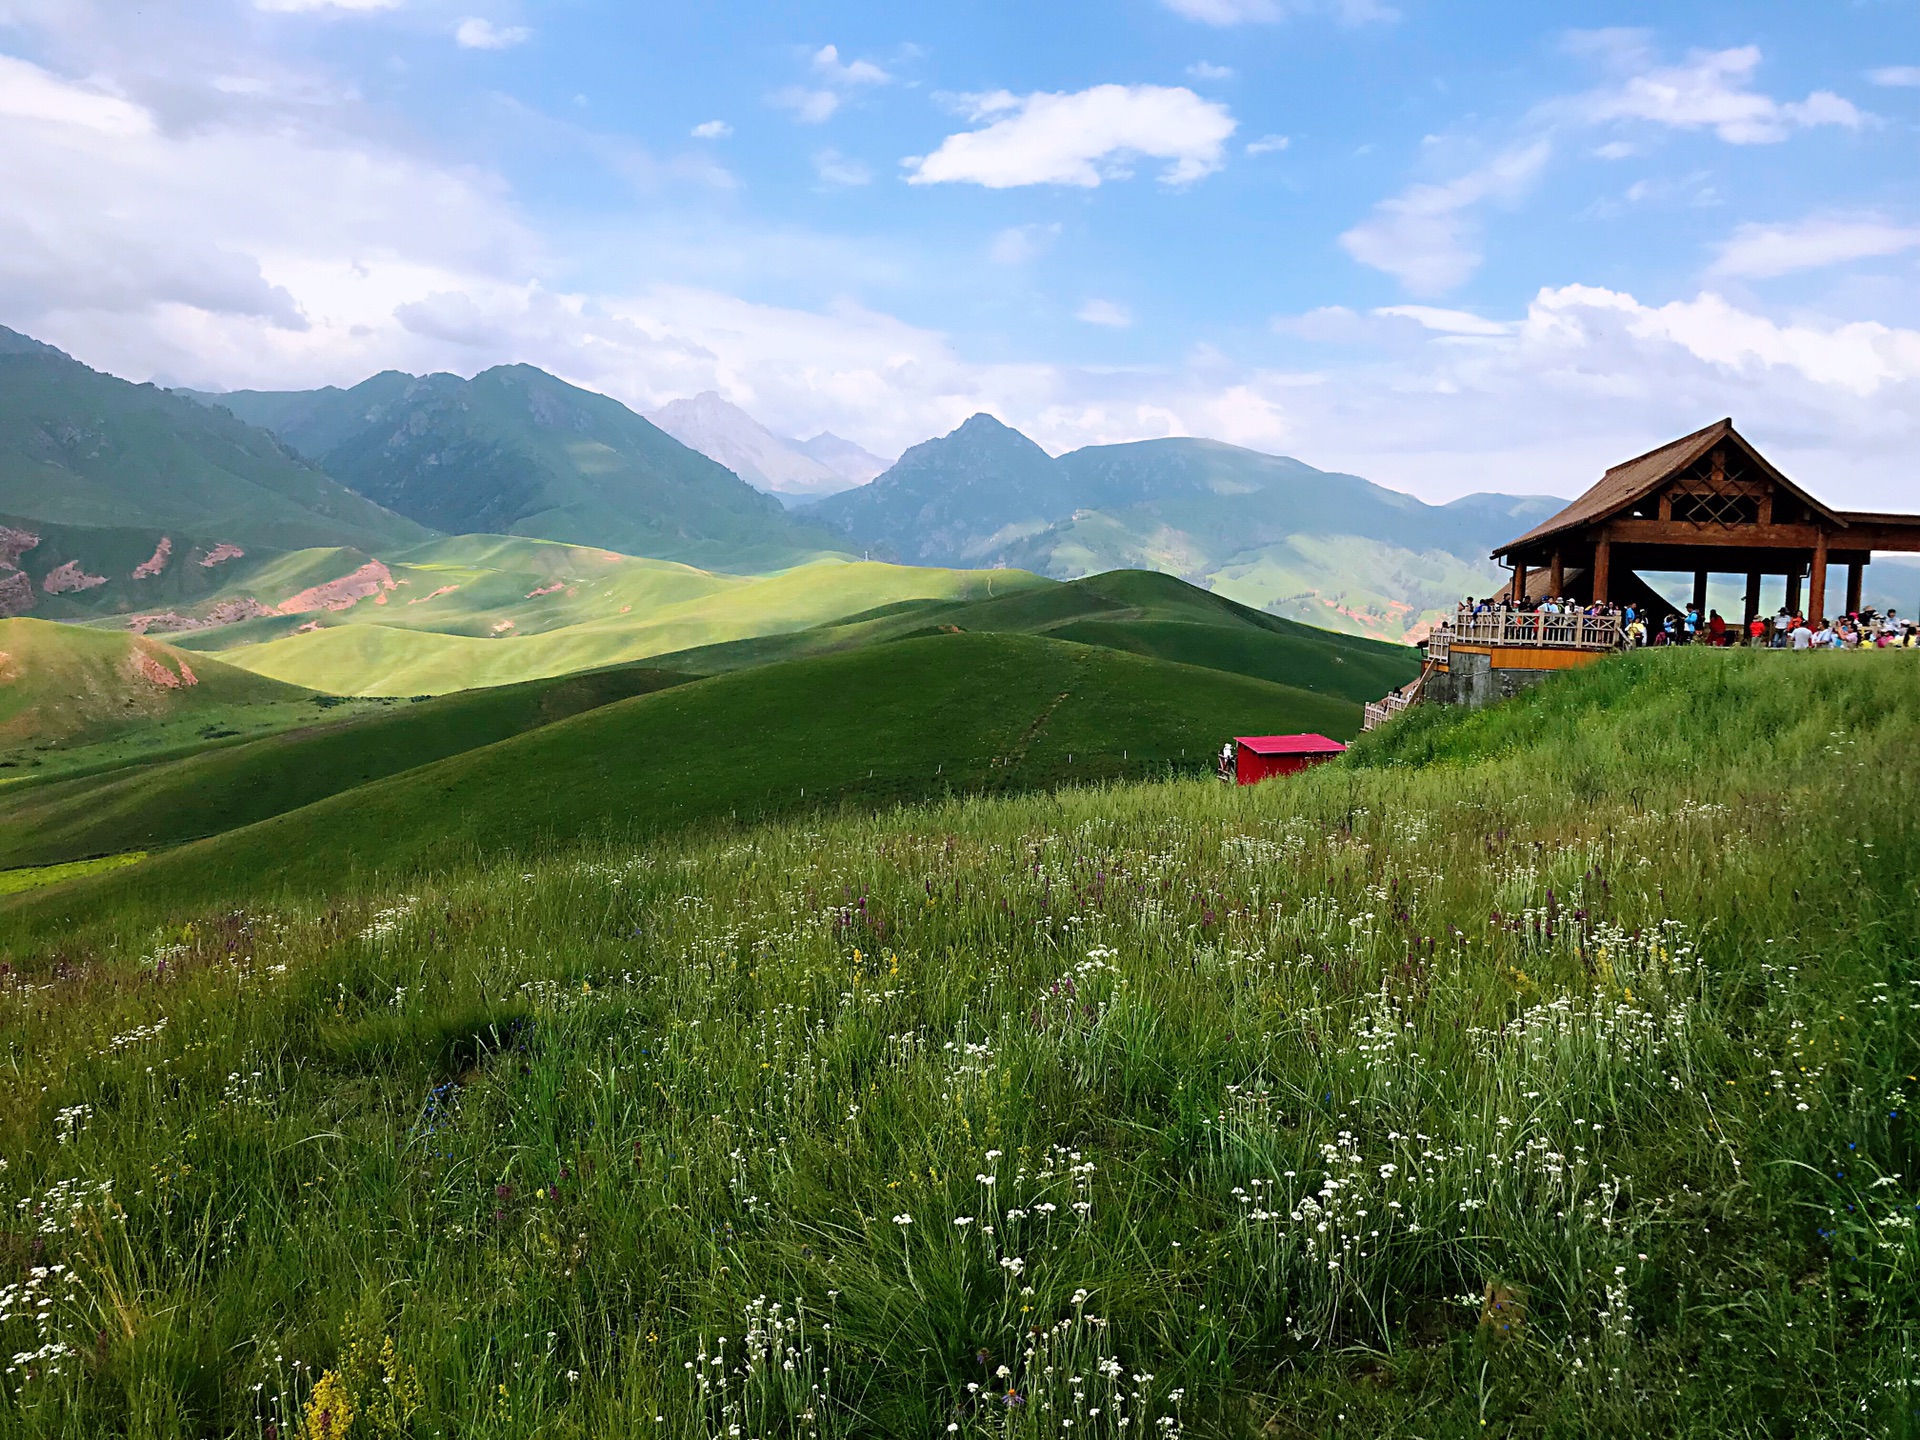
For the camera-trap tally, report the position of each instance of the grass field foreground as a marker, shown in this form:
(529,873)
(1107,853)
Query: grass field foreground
(1541,1071)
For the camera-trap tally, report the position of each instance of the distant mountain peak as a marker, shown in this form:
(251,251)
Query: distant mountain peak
(854,462)
(722,431)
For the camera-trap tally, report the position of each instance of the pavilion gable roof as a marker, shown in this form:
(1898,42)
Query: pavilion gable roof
(1633,480)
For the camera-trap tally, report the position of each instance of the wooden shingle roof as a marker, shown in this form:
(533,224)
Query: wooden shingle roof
(1632,480)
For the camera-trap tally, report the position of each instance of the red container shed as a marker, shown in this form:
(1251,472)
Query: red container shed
(1261,757)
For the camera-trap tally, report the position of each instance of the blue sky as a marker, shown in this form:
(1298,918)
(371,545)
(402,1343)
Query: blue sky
(1449,247)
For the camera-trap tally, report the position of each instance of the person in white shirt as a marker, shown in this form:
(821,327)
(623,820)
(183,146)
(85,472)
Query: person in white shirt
(1802,637)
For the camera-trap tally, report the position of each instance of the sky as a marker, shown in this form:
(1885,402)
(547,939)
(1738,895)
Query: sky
(1452,247)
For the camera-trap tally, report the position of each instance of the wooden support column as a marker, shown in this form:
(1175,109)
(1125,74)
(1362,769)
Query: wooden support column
(1557,576)
(1602,564)
(1854,577)
(1700,592)
(1817,580)
(1519,582)
(1793,590)
(1753,596)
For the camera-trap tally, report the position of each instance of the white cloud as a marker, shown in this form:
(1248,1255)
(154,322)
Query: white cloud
(1427,237)
(1447,322)
(1589,376)
(1897,76)
(1268,145)
(1018,244)
(302,7)
(810,107)
(203,229)
(474,33)
(1082,138)
(1760,252)
(834,71)
(1711,90)
(1105,312)
(1206,70)
(834,78)
(30,94)
(1268,12)
(712,130)
(836,169)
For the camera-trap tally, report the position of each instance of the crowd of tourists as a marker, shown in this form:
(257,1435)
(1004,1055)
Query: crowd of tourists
(1865,629)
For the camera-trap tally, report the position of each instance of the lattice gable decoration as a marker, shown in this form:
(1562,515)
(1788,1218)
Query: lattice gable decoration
(1728,486)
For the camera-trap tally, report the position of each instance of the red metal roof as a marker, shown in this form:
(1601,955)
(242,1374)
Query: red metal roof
(1289,744)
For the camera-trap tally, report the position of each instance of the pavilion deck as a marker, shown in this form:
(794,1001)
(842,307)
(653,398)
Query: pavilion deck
(1526,628)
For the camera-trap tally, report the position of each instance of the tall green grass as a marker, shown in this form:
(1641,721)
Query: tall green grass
(1543,1071)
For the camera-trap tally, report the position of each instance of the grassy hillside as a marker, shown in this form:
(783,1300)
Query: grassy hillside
(162,803)
(65,685)
(1137,611)
(479,610)
(81,572)
(1543,1072)
(871,727)
(81,448)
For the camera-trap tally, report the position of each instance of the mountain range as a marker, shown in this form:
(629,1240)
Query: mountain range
(1268,531)
(515,451)
(80,448)
(794,470)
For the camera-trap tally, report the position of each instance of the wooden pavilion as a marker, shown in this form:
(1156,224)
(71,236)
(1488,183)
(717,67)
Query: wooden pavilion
(1709,503)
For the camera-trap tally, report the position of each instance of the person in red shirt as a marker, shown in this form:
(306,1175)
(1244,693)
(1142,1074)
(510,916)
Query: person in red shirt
(1757,632)
(1716,629)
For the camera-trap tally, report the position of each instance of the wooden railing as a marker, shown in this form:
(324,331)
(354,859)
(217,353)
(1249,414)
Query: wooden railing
(1378,712)
(1526,627)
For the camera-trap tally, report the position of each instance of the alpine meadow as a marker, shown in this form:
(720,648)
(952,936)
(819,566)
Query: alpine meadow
(1145,720)
(1518,1070)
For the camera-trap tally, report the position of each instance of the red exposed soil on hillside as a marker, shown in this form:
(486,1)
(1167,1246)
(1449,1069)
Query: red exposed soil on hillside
(157,562)
(14,544)
(227,612)
(372,578)
(16,593)
(443,590)
(153,670)
(546,589)
(220,554)
(70,578)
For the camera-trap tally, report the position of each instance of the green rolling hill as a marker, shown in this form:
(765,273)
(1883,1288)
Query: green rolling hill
(1143,612)
(515,451)
(486,610)
(66,685)
(152,805)
(875,726)
(80,448)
